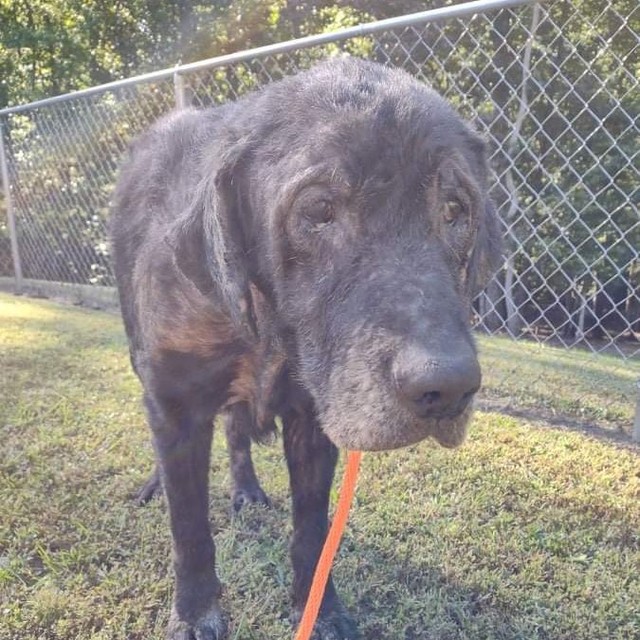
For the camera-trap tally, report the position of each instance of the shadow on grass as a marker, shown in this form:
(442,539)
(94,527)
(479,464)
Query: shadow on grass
(397,598)
(543,417)
(578,365)
(548,380)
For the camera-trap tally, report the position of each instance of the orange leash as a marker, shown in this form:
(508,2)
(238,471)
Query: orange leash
(330,547)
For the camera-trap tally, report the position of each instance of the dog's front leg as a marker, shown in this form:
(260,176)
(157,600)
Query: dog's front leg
(182,440)
(311,458)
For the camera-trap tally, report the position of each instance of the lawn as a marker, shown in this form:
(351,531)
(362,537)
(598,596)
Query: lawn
(526,532)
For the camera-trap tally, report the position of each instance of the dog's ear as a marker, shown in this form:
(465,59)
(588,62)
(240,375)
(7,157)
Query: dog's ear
(208,242)
(186,239)
(486,257)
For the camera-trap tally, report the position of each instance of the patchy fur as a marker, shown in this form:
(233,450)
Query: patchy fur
(310,251)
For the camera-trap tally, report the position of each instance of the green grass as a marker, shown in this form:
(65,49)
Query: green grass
(526,532)
(592,388)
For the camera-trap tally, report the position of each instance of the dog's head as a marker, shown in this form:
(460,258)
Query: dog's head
(356,199)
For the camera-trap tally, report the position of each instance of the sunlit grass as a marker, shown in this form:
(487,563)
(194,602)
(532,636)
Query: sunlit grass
(525,532)
(600,388)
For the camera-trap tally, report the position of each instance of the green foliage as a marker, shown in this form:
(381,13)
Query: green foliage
(65,157)
(578,169)
(48,47)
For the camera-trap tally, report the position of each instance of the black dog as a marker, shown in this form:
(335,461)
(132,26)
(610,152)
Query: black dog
(309,251)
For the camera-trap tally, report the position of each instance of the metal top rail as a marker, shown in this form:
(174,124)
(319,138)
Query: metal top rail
(421,17)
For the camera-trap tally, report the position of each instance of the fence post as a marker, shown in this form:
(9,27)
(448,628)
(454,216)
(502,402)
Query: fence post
(635,436)
(11,221)
(180,91)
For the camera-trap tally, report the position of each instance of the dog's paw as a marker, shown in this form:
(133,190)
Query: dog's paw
(334,627)
(211,626)
(336,624)
(252,495)
(151,488)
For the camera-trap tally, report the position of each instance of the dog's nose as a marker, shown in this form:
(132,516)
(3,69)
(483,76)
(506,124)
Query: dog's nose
(436,386)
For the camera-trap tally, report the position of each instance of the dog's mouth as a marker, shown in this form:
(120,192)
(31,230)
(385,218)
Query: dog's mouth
(386,392)
(374,428)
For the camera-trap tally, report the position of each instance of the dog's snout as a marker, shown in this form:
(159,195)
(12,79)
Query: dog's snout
(435,387)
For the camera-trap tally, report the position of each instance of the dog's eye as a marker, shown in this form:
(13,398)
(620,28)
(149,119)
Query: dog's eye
(321,213)
(453,212)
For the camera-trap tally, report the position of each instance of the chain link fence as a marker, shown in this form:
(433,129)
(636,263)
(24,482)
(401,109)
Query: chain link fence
(552,85)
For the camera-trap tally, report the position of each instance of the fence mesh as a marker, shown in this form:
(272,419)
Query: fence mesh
(554,88)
